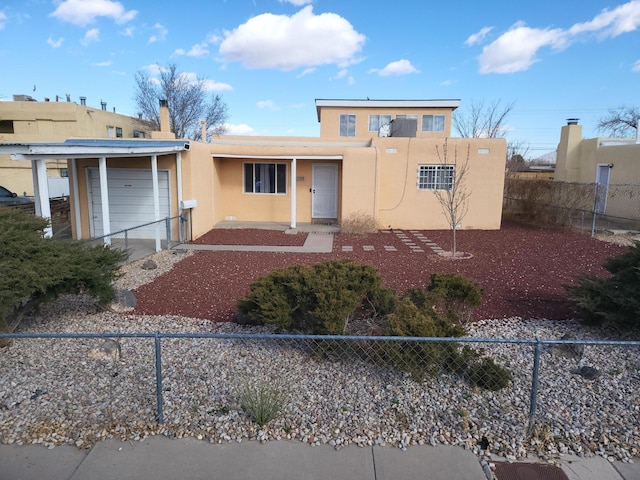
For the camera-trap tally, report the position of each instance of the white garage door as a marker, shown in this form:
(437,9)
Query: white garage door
(130,200)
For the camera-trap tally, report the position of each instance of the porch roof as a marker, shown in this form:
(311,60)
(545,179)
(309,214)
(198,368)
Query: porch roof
(91,148)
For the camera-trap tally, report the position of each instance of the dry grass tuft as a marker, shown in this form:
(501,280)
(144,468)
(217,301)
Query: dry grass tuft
(359,223)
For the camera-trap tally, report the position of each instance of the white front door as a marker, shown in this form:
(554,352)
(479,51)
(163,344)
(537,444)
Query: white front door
(324,191)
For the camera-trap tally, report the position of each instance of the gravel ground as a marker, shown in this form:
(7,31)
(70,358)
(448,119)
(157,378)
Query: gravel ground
(56,391)
(521,268)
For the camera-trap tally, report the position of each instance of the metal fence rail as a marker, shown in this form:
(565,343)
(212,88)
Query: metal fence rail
(205,368)
(148,237)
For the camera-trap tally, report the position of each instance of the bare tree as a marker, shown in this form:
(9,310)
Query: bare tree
(620,122)
(452,193)
(480,120)
(517,152)
(187,100)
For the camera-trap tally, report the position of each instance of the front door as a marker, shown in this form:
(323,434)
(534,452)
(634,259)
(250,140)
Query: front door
(324,192)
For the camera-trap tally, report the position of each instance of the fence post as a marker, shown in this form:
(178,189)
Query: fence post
(126,238)
(168,225)
(533,405)
(160,415)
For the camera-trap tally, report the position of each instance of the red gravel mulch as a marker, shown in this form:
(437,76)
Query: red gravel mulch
(251,236)
(522,269)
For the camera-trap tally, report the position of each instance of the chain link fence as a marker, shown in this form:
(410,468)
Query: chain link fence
(569,396)
(589,208)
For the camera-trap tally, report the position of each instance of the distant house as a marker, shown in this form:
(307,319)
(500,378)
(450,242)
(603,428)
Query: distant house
(26,120)
(373,157)
(604,162)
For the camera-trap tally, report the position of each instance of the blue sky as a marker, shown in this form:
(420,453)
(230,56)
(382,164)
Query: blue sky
(270,59)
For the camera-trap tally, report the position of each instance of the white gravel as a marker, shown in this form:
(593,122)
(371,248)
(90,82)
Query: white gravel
(56,391)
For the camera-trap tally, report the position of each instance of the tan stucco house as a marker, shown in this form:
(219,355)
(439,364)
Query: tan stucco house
(373,157)
(25,120)
(604,162)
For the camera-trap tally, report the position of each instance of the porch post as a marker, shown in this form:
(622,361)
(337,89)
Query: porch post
(42,195)
(36,194)
(156,199)
(179,189)
(104,199)
(76,199)
(293,192)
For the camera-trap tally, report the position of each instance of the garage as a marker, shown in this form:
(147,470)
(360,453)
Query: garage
(130,200)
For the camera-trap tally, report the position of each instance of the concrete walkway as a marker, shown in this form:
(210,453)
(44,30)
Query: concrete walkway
(160,458)
(315,243)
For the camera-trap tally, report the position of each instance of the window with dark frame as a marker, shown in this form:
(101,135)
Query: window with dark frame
(270,178)
(433,123)
(6,126)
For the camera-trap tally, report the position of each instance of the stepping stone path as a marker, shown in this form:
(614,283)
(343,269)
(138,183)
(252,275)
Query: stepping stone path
(414,240)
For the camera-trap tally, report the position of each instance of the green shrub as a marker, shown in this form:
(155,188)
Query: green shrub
(317,299)
(612,300)
(34,269)
(488,375)
(455,295)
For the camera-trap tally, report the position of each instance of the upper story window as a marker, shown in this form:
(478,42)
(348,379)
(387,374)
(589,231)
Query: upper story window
(265,178)
(410,117)
(6,126)
(111,132)
(377,121)
(436,177)
(138,134)
(347,125)
(433,123)
(118,132)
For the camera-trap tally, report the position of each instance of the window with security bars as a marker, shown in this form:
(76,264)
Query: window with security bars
(436,177)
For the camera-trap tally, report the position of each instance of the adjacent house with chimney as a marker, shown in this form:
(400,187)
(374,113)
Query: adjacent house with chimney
(380,158)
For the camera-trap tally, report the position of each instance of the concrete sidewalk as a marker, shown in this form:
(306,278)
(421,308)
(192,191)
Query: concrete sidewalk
(315,243)
(160,458)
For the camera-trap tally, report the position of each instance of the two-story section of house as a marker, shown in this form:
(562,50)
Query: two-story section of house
(26,120)
(381,158)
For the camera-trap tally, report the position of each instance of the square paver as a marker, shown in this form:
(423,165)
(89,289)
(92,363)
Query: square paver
(390,248)
(347,248)
(368,248)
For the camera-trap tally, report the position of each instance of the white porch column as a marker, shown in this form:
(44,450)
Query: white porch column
(36,194)
(294,193)
(104,199)
(156,198)
(76,199)
(41,192)
(179,180)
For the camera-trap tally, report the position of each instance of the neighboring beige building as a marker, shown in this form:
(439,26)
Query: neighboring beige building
(602,161)
(25,120)
(373,157)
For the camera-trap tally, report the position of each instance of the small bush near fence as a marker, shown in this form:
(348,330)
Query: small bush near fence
(35,269)
(329,297)
(615,299)
(359,223)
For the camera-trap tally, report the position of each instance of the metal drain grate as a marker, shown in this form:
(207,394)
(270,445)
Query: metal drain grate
(528,471)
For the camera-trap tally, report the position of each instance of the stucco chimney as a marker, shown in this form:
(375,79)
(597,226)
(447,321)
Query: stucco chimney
(203,129)
(567,157)
(164,116)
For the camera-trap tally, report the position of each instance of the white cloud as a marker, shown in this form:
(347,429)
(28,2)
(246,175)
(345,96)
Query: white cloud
(198,50)
(446,83)
(611,23)
(240,129)
(351,80)
(267,104)
(636,66)
(84,12)
(160,35)
(91,36)
(516,49)
(102,64)
(128,32)
(400,67)
(289,42)
(55,43)
(306,71)
(213,86)
(297,3)
(3,20)
(478,37)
